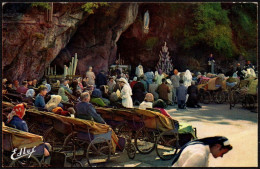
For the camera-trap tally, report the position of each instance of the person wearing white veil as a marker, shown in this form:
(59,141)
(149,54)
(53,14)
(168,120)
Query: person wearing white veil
(187,78)
(126,93)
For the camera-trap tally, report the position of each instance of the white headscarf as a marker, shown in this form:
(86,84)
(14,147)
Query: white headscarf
(126,83)
(156,73)
(30,93)
(135,78)
(48,87)
(188,75)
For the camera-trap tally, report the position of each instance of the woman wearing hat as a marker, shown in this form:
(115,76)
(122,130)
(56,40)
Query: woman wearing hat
(126,93)
(196,153)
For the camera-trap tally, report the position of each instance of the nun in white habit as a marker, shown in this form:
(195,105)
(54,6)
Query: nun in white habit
(187,78)
(126,93)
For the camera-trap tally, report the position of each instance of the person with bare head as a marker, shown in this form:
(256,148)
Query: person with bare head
(211,62)
(85,110)
(16,84)
(39,100)
(91,75)
(34,83)
(23,89)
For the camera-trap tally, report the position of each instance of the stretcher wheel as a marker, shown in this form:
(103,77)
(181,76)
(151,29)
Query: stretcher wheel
(54,138)
(77,164)
(220,97)
(98,151)
(206,97)
(131,150)
(145,140)
(167,145)
(26,162)
(250,101)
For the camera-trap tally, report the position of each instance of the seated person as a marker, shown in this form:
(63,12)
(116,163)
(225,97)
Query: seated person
(23,89)
(161,105)
(15,118)
(148,101)
(39,100)
(64,97)
(85,110)
(96,98)
(65,85)
(29,97)
(9,87)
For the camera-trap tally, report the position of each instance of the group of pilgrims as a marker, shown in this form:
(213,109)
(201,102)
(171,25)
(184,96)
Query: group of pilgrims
(146,90)
(155,90)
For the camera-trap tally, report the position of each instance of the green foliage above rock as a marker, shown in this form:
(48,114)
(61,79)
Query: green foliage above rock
(90,6)
(44,5)
(211,26)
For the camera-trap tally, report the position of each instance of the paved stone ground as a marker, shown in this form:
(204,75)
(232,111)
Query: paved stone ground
(238,124)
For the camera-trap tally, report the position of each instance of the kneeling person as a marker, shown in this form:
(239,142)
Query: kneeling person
(85,110)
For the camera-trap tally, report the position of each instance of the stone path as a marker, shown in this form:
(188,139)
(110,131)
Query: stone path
(238,124)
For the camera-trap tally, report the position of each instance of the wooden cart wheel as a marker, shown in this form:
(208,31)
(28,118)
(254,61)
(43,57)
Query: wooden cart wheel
(131,150)
(26,162)
(54,138)
(98,151)
(125,131)
(145,140)
(166,145)
(206,97)
(80,145)
(220,97)
(234,98)
(250,100)
(77,164)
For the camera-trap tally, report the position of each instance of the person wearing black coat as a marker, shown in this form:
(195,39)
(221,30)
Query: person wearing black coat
(138,92)
(101,79)
(193,96)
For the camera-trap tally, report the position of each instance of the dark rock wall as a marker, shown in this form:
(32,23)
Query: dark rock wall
(95,41)
(30,43)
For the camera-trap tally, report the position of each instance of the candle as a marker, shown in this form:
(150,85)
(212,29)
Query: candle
(55,70)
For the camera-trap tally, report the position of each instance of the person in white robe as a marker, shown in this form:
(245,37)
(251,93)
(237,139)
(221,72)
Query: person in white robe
(126,93)
(139,71)
(196,153)
(187,78)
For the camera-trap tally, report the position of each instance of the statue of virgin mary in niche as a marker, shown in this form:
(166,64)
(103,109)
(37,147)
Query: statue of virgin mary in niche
(146,22)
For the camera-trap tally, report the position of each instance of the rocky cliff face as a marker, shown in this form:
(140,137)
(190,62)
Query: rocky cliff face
(30,43)
(95,41)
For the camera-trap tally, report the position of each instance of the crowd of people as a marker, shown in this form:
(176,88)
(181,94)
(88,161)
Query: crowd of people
(119,90)
(149,90)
